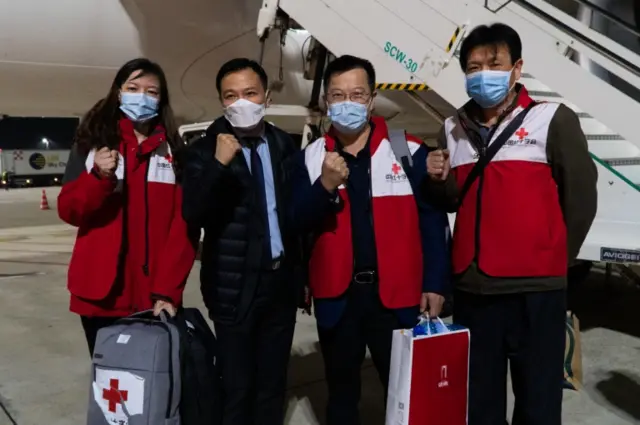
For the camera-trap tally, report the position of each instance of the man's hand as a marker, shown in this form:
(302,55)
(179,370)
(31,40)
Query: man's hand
(438,164)
(431,303)
(106,161)
(227,146)
(160,305)
(334,171)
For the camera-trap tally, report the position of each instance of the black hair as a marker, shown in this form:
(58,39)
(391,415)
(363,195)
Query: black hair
(495,35)
(348,63)
(239,64)
(99,127)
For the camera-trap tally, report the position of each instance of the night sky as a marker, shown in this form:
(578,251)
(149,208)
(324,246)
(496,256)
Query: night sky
(27,133)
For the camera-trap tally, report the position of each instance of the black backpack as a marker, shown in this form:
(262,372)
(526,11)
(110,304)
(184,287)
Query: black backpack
(200,402)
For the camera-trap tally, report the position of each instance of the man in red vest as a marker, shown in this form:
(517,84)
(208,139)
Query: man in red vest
(379,252)
(519,175)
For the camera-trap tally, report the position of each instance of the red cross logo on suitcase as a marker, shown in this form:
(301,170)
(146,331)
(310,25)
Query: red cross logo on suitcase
(114,395)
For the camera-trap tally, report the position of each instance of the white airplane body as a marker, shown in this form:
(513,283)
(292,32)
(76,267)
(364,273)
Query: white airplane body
(57,58)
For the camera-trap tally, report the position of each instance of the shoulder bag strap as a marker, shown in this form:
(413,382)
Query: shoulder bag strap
(492,150)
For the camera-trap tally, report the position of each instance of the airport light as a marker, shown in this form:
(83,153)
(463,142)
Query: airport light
(45,142)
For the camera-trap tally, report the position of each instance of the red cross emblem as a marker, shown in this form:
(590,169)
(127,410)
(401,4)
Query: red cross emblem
(522,133)
(114,395)
(395,168)
(169,158)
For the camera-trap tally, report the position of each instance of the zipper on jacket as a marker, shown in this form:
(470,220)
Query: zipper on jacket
(483,152)
(125,223)
(145,267)
(371,200)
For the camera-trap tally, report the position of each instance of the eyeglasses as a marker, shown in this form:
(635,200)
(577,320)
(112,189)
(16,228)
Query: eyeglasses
(359,97)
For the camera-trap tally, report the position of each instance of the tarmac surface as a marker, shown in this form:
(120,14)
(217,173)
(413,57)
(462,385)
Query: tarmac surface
(44,363)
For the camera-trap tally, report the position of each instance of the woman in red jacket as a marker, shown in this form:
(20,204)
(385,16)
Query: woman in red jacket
(133,250)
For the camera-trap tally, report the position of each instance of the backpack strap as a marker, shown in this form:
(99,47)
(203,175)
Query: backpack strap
(487,154)
(400,148)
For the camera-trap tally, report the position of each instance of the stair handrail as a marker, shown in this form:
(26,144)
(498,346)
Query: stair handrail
(610,16)
(614,171)
(562,26)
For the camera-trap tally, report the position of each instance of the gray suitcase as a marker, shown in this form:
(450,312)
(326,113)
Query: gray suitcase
(136,373)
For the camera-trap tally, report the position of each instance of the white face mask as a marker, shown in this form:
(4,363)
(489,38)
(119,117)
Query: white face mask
(244,114)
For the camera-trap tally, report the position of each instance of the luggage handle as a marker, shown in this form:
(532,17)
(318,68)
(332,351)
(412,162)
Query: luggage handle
(148,314)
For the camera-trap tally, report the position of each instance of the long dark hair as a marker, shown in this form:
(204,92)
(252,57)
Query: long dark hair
(99,127)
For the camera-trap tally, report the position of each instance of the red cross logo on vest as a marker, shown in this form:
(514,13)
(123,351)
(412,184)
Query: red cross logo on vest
(395,168)
(114,395)
(169,158)
(522,133)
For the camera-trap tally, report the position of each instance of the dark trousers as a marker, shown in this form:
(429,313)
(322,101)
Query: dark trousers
(365,323)
(254,355)
(91,326)
(527,331)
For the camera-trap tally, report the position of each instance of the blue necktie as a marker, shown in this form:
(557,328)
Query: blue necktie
(261,196)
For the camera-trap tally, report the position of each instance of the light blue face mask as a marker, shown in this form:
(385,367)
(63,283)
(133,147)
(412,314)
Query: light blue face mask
(348,117)
(138,107)
(488,88)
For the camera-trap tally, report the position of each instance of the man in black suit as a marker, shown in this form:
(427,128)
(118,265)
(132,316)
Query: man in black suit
(235,187)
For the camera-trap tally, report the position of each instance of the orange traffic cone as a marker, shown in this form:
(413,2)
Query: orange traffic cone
(44,204)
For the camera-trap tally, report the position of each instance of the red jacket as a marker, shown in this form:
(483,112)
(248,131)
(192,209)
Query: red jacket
(132,245)
(510,222)
(395,221)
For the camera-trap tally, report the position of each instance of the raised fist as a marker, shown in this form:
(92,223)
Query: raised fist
(334,171)
(227,146)
(106,161)
(438,164)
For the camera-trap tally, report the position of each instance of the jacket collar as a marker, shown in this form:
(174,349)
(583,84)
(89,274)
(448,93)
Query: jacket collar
(468,114)
(221,125)
(470,111)
(153,142)
(379,132)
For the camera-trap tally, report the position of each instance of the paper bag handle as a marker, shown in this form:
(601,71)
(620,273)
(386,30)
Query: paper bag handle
(425,318)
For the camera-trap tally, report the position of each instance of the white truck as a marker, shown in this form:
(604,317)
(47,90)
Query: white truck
(42,167)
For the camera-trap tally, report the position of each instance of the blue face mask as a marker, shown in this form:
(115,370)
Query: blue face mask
(488,88)
(138,107)
(348,117)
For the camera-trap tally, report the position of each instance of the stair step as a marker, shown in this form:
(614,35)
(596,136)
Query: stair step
(621,162)
(546,94)
(613,149)
(593,126)
(603,137)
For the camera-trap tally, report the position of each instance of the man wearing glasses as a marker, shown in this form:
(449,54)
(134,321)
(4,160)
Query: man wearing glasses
(379,253)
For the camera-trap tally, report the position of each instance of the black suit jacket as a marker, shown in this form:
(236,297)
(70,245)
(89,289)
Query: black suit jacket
(221,200)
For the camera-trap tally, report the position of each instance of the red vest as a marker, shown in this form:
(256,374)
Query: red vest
(395,221)
(513,208)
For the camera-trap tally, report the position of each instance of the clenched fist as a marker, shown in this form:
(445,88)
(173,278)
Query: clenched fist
(438,164)
(227,146)
(334,171)
(106,161)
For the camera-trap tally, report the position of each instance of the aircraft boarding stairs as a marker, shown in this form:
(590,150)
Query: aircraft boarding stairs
(414,42)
